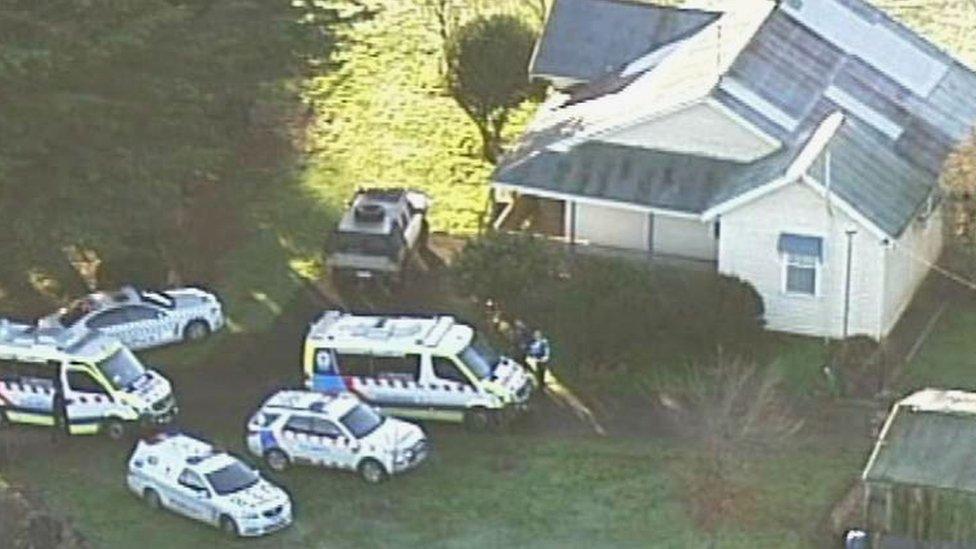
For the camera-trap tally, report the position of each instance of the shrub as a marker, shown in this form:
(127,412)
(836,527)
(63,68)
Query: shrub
(614,313)
(504,268)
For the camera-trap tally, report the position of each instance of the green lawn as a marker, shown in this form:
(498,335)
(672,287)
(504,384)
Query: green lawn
(477,491)
(948,358)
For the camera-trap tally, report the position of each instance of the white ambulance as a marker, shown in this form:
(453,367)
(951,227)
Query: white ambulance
(191,477)
(105,386)
(336,431)
(418,367)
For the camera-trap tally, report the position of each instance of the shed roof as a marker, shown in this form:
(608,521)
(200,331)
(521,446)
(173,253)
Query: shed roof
(587,39)
(929,440)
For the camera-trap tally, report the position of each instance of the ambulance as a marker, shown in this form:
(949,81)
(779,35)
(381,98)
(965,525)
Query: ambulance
(416,367)
(106,389)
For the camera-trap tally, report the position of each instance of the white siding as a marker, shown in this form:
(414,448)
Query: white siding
(608,226)
(907,263)
(684,237)
(748,249)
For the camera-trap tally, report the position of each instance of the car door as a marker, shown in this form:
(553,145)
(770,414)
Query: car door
(297,439)
(192,497)
(148,326)
(333,447)
(86,399)
(112,322)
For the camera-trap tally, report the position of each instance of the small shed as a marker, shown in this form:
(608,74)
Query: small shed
(920,481)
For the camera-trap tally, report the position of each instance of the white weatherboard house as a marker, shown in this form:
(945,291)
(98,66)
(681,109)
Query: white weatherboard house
(796,145)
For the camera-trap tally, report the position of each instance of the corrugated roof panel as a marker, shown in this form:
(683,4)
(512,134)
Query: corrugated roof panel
(587,39)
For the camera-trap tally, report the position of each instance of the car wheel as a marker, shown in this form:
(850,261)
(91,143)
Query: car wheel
(478,420)
(196,330)
(276,460)
(152,499)
(114,429)
(229,527)
(372,471)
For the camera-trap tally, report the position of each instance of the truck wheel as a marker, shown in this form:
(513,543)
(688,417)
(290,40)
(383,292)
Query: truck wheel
(276,460)
(229,527)
(479,420)
(196,330)
(152,499)
(372,471)
(114,429)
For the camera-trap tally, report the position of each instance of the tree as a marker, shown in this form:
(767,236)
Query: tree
(732,408)
(488,61)
(122,117)
(959,182)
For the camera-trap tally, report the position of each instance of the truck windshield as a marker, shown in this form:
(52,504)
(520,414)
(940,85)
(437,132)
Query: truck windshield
(388,245)
(362,420)
(480,358)
(121,368)
(232,478)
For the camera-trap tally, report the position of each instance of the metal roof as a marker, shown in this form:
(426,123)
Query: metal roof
(586,39)
(801,65)
(929,440)
(656,179)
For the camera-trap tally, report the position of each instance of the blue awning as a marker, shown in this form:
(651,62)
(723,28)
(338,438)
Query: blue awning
(794,244)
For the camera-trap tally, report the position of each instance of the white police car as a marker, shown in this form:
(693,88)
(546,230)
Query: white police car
(143,319)
(186,475)
(336,431)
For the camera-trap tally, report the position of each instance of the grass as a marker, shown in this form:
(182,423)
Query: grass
(501,491)
(948,358)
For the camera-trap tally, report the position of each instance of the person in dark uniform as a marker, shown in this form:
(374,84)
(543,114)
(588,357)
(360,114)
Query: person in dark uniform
(59,410)
(537,355)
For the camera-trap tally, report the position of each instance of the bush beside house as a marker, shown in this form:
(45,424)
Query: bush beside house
(636,315)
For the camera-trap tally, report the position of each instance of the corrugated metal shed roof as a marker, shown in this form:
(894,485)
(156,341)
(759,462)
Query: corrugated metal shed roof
(928,446)
(586,39)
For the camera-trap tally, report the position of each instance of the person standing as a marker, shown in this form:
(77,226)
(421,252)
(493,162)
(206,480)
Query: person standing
(537,355)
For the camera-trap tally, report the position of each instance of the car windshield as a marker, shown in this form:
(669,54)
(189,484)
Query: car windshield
(232,478)
(370,244)
(122,368)
(480,358)
(362,420)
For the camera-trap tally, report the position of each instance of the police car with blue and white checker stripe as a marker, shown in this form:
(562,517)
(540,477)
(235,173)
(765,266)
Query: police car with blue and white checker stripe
(191,477)
(335,431)
(143,319)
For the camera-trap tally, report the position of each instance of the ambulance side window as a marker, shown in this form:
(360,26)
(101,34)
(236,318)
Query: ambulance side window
(397,367)
(446,369)
(82,382)
(26,372)
(355,365)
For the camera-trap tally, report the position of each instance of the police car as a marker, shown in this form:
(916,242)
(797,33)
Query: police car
(418,367)
(143,319)
(106,388)
(190,477)
(336,431)
(379,234)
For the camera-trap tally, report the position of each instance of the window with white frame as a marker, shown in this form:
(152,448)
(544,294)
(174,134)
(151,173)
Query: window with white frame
(802,256)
